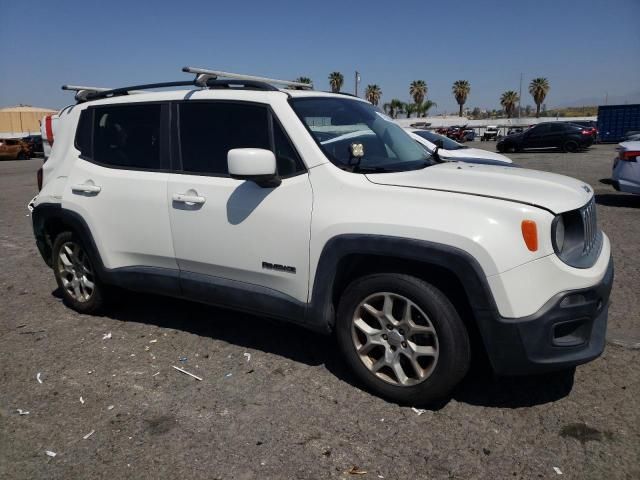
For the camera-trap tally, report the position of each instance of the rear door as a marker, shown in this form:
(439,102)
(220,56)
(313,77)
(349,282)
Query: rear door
(253,236)
(119,183)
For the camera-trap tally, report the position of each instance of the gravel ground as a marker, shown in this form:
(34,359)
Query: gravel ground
(274,400)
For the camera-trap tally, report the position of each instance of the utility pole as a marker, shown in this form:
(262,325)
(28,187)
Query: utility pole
(357,81)
(520,98)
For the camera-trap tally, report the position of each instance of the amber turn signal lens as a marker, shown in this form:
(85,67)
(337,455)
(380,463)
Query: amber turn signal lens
(530,234)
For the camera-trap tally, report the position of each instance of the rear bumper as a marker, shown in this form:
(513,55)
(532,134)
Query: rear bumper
(568,330)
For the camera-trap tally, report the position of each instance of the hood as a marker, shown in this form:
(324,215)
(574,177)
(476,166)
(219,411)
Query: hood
(472,153)
(550,191)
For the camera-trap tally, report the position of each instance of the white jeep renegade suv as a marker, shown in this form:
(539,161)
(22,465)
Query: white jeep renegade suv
(316,208)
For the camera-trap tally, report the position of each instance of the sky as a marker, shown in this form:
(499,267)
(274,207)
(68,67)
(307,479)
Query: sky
(589,50)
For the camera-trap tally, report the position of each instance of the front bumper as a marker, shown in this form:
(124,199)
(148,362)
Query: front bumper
(568,330)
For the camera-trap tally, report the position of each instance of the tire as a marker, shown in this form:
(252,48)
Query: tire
(501,148)
(436,338)
(75,274)
(570,146)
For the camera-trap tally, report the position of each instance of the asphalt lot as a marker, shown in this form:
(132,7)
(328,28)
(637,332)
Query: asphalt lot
(288,409)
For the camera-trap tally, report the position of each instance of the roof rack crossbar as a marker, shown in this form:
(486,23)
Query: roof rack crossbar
(203,76)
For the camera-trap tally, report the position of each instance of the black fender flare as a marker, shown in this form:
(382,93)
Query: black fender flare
(47,212)
(320,313)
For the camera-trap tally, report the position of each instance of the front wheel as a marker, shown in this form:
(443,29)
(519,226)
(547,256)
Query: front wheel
(402,337)
(75,274)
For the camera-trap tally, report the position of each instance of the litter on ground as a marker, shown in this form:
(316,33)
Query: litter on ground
(50,453)
(82,400)
(557,470)
(38,378)
(106,336)
(248,355)
(89,434)
(356,471)
(187,373)
(22,412)
(419,411)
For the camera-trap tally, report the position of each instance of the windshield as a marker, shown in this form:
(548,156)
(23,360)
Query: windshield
(435,138)
(337,123)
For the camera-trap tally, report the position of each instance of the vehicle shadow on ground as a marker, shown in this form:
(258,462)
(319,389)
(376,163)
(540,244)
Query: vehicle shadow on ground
(480,387)
(618,200)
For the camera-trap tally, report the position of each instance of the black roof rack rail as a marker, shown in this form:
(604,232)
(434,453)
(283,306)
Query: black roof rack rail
(132,89)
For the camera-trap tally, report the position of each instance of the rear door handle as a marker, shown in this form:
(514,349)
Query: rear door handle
(185,198)
(86,188)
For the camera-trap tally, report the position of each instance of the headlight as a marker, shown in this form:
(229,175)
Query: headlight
(576,237)
(558,233)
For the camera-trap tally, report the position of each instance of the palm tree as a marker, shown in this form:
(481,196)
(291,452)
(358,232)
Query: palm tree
(409,108)
(336,79)
(418,90)
(508,100)
(303,80)
(461,89)
(373,94)
(538,88)
(393,107)
(423,108)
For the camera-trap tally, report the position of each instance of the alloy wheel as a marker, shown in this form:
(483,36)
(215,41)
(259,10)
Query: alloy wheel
(75,272)
(395,339)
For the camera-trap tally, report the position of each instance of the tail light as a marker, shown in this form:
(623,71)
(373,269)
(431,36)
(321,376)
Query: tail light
(629,155)
(48,127)
(586,132)
(39,176)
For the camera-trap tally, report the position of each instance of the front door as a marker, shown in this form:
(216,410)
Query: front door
(229,234)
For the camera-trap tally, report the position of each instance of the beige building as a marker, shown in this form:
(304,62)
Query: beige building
(21,120)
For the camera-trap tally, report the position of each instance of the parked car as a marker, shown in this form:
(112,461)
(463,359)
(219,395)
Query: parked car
(590,125)
(401,257)
(569,138)
(490,133)
(34,143)
(14,149)
(469,134)
(631,136)
(626,168)
(447,150)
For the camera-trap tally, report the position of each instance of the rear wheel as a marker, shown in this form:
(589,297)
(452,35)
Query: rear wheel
(75,275)
(501,148)
(402,337)
(570,146)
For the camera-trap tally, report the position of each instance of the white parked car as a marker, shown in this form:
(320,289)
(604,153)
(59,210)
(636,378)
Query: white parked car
(448,150)
(626,168)
(232,193)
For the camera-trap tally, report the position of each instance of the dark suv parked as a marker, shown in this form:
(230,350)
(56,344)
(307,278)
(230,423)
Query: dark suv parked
(568,137)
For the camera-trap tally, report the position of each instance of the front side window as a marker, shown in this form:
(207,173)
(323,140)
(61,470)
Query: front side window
(127,136)
(338,123)
(208,130)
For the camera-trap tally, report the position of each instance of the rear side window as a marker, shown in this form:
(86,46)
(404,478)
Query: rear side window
(127,136)
(559,127)
(83,133)
(208,130)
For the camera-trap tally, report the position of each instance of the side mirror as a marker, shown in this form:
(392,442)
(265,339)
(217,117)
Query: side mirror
(253,164)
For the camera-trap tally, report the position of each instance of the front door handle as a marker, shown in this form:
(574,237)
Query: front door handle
(86,188)
(190,199)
